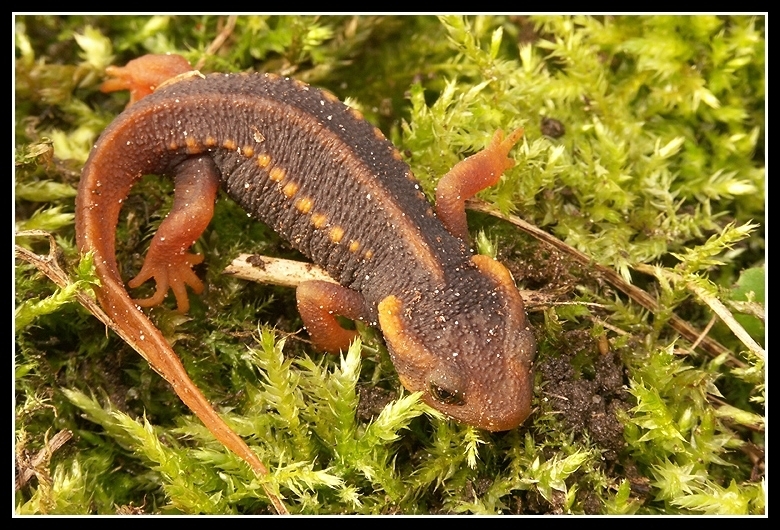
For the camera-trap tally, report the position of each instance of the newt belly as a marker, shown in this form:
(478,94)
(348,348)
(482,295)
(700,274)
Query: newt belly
(328,181)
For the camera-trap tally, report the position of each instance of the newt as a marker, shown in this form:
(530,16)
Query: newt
(312,168)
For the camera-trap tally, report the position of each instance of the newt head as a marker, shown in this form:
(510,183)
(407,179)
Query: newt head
(469,349)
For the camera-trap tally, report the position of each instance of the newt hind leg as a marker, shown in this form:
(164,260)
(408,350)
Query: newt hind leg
(169,261)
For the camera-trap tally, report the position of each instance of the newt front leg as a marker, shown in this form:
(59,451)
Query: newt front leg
(470,176)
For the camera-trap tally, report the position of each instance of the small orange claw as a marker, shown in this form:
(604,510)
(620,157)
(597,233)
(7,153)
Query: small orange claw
(175,274)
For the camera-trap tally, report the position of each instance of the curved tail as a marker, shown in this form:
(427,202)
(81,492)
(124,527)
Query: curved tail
(97,213)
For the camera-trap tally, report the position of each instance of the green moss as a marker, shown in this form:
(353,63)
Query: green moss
(644,145)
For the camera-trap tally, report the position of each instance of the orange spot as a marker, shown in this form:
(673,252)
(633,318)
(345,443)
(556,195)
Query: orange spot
(248,151)
(276,174)
(336,234)
(210,141)
(318,220)
(378,134)
(263,160)
(229,144)
(354,246)
(304,204)
(369,254)
(193,147)
(290,189)
(173,146)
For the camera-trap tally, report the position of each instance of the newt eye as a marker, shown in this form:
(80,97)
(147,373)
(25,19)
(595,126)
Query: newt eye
(447,386)
(446,396)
